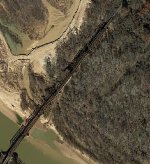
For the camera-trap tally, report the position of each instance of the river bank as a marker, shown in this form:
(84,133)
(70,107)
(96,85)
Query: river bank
(42,142)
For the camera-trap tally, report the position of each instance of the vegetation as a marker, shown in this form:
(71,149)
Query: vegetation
(19,119)
(31,16)
(104,109)
(62,5)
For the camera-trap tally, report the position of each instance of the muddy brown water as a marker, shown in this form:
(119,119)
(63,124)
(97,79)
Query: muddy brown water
(40,148)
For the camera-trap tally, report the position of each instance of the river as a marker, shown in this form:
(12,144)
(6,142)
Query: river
(39,148)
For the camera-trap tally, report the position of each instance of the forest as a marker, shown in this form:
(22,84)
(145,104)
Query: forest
(104,109)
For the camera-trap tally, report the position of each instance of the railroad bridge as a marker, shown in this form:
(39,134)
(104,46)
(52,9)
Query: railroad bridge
(9,156)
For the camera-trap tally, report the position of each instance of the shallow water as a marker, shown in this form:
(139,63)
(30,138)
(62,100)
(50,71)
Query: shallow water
(30,150)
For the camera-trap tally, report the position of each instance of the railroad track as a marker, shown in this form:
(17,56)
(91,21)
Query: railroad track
(71,68)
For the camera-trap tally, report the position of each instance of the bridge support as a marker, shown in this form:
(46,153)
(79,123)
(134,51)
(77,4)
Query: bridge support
(12,160)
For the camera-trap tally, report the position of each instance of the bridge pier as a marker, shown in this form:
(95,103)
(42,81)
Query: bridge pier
(14,159)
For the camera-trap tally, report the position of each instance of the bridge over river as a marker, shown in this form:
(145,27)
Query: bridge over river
(89,48)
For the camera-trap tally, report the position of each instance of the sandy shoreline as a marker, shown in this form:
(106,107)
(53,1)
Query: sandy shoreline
(7,112)
(67,150)
(10,102)
(70,151)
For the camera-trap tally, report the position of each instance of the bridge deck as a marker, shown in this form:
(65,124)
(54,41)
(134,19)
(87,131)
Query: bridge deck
(88,48)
